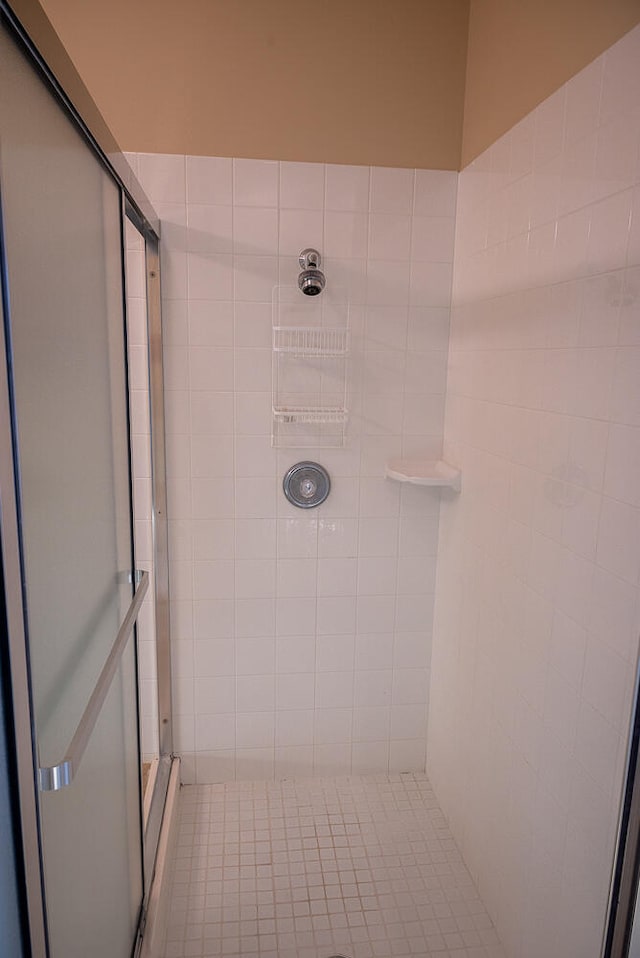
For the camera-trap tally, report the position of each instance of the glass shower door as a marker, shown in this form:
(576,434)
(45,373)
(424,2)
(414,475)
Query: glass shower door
(62,239)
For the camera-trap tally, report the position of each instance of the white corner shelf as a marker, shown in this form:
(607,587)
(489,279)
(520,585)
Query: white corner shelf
(425,472)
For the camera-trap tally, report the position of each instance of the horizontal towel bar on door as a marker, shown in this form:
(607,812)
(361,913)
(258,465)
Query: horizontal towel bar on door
(53,777)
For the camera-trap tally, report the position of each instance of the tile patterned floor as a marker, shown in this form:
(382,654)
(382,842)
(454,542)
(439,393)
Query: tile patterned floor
(308,868)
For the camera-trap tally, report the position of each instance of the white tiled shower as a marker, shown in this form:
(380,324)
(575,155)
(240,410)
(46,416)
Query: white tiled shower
(301,640)
(302,644)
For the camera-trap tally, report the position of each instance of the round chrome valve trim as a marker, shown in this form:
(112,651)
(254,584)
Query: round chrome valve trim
(306,484)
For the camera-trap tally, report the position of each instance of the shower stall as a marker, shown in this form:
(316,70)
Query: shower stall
(84,534)
(403,682)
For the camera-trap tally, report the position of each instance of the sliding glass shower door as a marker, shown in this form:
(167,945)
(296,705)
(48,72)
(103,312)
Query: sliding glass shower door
(64,329)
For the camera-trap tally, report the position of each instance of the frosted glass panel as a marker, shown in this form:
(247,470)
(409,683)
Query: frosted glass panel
(92,839)
(62,229)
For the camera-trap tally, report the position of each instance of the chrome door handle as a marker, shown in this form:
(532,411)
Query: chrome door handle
(53,777)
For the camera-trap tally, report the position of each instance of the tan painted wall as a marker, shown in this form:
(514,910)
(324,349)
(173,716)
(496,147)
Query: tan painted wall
(378,82)
(520,51)
(344,81)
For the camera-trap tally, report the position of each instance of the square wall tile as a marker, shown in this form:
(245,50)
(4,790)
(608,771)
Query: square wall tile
(255,231)
(335,653)
(255,729)
(209,229)
(255,656)
(162,176)
(300,229)
(255,617)
(391,190)
(302,186)
(347,187)
(371,724)
(435,193)
(333,726)
(255,693)
(209,180)
(295,654)
(389,236)
(294,727)
(334,690)
(255,183)
(295,692)
(372,688)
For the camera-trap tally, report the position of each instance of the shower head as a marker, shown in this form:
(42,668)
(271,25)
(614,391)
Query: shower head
(311,280)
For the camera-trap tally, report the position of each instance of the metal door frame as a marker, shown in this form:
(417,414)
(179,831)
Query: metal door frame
(625,881)
(151,828)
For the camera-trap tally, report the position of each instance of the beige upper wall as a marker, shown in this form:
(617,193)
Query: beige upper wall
(520,51)
(341,81)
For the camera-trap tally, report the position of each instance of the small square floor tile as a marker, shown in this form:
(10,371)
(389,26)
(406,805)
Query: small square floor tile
(360,866)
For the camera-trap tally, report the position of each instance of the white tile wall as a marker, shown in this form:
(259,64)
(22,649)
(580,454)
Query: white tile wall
(301,641)
(537,613)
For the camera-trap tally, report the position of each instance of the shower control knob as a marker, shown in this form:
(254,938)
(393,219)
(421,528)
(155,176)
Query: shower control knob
(306,485)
